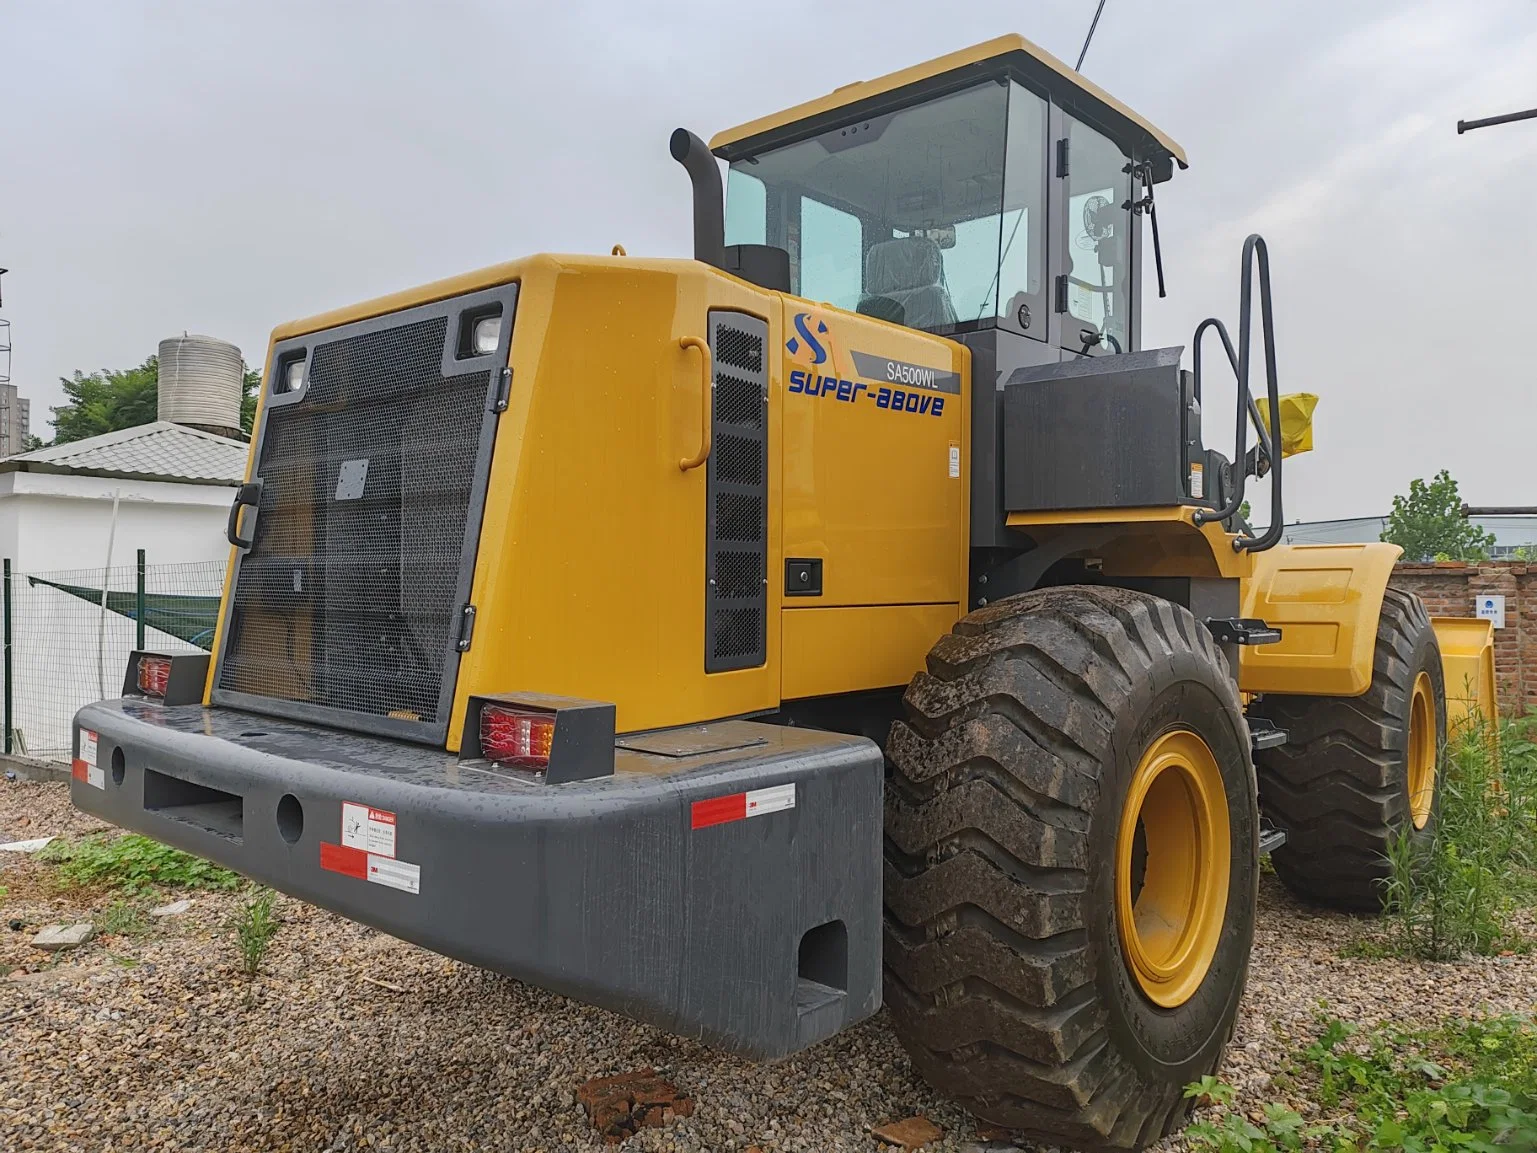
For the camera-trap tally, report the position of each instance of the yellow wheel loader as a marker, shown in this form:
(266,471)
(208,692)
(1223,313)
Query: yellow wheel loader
(853,611)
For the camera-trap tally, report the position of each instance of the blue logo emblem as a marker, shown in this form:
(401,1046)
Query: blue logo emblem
(813,345)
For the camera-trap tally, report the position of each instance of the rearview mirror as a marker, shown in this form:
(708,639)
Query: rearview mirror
(944,235)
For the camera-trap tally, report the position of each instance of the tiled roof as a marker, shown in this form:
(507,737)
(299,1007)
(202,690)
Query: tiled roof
(160,451)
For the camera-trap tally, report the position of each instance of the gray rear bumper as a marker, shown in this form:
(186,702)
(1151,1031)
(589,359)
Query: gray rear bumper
(760,935)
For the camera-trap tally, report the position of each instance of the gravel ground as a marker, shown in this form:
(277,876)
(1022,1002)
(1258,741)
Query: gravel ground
(156,1041)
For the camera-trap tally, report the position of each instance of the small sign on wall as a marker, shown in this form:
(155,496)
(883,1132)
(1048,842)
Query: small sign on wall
(1491,607)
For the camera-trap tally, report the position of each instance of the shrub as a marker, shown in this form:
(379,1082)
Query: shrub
(1466,1084)
(1452,894)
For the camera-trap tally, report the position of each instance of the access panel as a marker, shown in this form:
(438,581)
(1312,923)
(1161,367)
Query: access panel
(874,458)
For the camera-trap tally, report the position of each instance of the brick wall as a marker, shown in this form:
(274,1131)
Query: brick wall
(1450,588)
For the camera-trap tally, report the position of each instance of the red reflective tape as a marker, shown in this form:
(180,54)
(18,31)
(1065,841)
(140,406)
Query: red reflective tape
(79,770)
(345,860)
(718,810)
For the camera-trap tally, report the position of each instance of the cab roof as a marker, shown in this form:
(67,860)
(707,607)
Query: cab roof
(1011,55)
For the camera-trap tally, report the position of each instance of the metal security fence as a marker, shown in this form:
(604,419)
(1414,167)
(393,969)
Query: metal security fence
(68,634)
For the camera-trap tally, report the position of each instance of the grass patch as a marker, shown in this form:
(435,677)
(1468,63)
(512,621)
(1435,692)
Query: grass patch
(1469,1084)
(255,927)
(123,920)
(1452,893)
(132,864)
(1369,947)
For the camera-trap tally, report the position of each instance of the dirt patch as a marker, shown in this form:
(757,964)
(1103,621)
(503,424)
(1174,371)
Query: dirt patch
(350,1039)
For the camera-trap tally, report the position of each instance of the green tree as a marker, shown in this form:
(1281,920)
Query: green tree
(1428,523)
(108,400)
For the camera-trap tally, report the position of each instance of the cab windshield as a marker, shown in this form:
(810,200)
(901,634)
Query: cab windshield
(933,216)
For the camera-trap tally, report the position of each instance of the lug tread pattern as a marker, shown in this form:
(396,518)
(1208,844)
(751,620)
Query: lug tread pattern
(1339,786)
(990,977)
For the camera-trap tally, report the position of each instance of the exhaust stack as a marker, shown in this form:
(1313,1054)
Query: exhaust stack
(709,198)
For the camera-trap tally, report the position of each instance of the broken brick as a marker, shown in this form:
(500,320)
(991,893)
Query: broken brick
(913,1133)
(618,1106)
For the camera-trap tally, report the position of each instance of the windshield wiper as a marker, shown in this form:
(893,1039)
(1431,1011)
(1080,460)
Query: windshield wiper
(1144,172)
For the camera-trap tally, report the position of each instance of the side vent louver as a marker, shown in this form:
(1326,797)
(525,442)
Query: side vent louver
(736,496)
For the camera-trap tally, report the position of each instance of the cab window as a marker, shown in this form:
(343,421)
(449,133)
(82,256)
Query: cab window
(831,254)
(746,208)
(1022,251)
(899,216)
(1098,235)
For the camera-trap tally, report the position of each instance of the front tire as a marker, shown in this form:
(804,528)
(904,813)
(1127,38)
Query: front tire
(1071,864)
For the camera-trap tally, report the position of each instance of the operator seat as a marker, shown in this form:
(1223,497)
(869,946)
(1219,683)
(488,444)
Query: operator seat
(907,273)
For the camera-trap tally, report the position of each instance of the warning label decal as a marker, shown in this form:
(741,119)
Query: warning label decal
(372,830)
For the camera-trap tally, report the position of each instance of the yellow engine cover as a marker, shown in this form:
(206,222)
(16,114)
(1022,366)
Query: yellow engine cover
(590,576)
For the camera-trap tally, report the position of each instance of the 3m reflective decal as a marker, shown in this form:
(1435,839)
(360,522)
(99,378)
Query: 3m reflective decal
(739,806)
(350,862)
(396,874)
(341,859)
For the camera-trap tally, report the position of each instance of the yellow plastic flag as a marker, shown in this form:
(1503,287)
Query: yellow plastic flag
(1296,421)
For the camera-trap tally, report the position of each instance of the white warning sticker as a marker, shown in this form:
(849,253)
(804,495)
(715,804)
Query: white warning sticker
(372,830)
(1197,482)
(955,459)
(400,875)
(88,746)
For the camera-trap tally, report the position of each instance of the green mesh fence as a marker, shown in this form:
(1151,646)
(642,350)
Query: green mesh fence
(70,644)
(187,616)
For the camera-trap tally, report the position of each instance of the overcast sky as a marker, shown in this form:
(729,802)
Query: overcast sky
(222,168)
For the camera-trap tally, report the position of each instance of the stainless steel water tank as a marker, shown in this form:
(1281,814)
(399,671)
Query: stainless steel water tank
(200,382)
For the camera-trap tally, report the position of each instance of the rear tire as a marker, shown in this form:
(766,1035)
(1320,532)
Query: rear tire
(1008,970)
(1354,769)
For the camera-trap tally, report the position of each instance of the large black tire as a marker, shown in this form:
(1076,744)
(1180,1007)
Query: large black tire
(1005,975)
(1339,787)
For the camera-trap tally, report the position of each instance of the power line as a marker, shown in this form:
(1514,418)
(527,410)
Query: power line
(1095,24)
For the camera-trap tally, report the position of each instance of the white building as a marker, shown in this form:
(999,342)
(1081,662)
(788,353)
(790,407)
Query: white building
(171,486)
(162,487)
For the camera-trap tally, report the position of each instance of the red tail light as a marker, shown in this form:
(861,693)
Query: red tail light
(513,737)
(154,675)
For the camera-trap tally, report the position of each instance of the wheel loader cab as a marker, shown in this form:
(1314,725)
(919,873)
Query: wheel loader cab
(992,195)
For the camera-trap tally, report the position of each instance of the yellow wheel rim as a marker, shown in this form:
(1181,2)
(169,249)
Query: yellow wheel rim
(1170,908)
(1422,751)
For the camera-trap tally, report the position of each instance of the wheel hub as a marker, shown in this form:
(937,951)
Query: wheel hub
(1422,751)
(1170,908)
